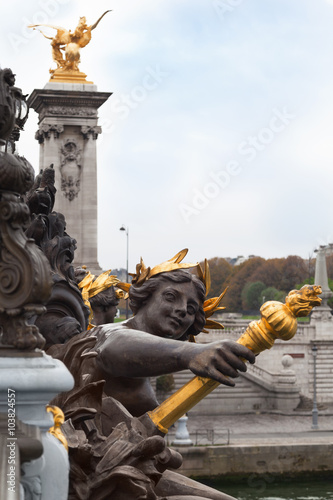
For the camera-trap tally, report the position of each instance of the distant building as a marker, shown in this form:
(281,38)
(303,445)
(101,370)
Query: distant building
(120,273)
(236,261)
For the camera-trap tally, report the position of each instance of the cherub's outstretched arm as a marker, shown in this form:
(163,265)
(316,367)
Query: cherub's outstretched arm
(133,353)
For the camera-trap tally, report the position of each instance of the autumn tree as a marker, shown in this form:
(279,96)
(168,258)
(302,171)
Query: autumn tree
(240,276)
(269,272)
(251,295)
(278,276)
(220,270)
(272,293)
(294,270)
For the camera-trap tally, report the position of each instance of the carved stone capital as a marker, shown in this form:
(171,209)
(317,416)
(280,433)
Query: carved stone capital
(87,131)
(46,130)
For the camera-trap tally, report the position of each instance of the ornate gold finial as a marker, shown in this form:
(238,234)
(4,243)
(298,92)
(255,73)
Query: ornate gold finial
(70,44)
(279,321)
(91,286)
(58,418)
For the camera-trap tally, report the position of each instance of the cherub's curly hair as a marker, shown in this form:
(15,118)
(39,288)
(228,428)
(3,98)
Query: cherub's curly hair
(139,294)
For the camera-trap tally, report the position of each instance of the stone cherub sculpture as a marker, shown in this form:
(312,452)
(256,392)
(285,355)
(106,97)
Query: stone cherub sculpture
(113,364)
(99,295)
(64,41)
(168,306)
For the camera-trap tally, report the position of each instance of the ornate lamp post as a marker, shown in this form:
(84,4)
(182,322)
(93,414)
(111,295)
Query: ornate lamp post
(315,408)
(123,228)
(13,111)
(29,378)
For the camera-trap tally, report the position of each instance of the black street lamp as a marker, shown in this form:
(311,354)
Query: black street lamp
(123,228)
(315,408)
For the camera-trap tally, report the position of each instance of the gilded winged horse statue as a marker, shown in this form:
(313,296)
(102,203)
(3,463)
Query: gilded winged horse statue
(66,45)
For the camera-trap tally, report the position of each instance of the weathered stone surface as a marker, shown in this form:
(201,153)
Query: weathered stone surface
(256,459)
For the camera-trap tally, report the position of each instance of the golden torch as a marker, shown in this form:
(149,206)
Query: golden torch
(278,321)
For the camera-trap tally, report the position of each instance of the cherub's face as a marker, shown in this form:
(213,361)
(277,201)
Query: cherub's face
(170,310)
(104,314)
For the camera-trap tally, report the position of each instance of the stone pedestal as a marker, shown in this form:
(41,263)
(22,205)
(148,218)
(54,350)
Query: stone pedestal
(67,133)
(28,381)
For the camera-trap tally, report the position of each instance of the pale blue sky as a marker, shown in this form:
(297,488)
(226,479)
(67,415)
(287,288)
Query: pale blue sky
(218,134)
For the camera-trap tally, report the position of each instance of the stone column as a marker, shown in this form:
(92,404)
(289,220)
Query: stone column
(67,134)
(322,319)
(322,315)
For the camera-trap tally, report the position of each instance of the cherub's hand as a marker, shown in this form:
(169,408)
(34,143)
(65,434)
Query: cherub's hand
(220,360)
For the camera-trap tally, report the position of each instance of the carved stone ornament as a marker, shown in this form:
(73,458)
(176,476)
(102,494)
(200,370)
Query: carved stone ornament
(93,131)
(46,130)
(66,315)
(72,111)
(29,443)
(70,169)
(24,271)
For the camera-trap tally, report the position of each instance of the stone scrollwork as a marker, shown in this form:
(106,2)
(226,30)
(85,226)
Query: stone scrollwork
(32,487)
(46,130)
(70,169)
(92,131)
